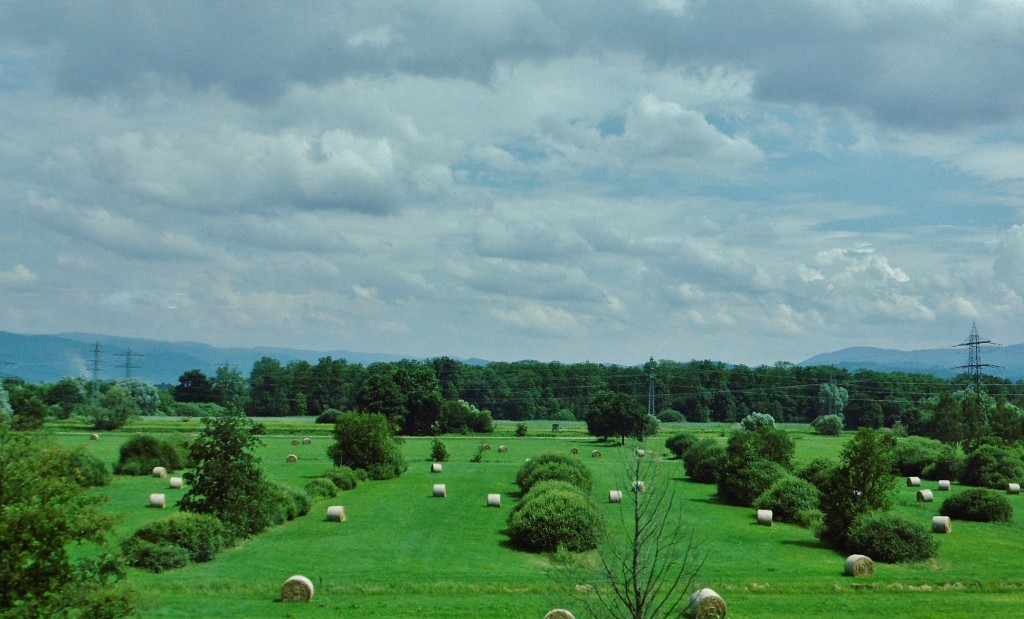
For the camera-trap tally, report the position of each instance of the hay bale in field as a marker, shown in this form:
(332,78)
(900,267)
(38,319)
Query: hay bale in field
(595,454)
(440,491)
(158,500)
(640,453)
(307,441)
(859,565)
(1012,488)
(942,524)
(559,613)
(486,447)
(336,513)
(944,485)
(764,517)
(502,449)
(159,471)
(94,437)
(913,482)
(574,451)
(176,482)
(639,486)
(493,500)
(435,467)
(292,458)
(925,496)
(615,496)
(706,604)
(297,589)
(295,441)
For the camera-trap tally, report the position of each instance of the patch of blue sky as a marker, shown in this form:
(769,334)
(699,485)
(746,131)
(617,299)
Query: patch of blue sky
(15,73)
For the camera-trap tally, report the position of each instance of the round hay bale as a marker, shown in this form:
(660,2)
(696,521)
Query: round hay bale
(94,437)
(640,453)
(502,449)
(615,496)
(159,471)
(336,513)
(486,447)
(764,517)
(297,589)
(942,524)
(706,604)
(176,482)
(440,491)
(944,485)
(295,441)
(639,486)
(158,500)
(859,565)
(925,496)
(1013,488)
(292,458)
(493,500)
(913,482)
(559,613)
(574,451)
(307,441)
(435,467)
(595,454)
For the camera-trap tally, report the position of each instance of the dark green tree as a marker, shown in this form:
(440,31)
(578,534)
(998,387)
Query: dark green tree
(617,414)
(67,393)
(365,441)
(193,386)
(228,387)
(268,389)
(862,483)
(29,410)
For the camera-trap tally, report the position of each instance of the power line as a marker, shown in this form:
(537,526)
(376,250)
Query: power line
(974,363)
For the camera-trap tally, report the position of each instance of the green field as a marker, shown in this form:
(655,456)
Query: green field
(403,553)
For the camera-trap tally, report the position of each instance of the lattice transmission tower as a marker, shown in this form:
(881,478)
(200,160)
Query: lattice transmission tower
(128,365)
(974,364)
(650,387)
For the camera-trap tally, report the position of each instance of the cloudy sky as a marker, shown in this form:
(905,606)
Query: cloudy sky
(607,181)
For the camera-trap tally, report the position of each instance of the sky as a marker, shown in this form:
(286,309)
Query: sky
(603,181)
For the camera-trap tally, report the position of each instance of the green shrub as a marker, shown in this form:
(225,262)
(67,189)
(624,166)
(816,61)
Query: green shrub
(978,505)
(343,477)
(284,503)
(742,486)
(140,454)
(321,488)
(542,487)
(817,471)
(438,450)
(891,539)
(86,469)
(670,416)
(992,467)
(949,464)
(680,443)
(555,466)
(756,421)
(522,429)
(153,557)
(162,544)
(331,416)
(915,453)
(365,441)
(556,518)
(791,499)
(828,425)
(704,461)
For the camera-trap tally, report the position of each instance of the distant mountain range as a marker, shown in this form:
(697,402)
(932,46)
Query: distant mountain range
(48,358)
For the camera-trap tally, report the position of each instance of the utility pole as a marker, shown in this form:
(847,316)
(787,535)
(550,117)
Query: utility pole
(128,365)
(974,363)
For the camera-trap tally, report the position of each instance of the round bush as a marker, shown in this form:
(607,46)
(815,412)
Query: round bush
(141,453)
(704,461)
(438,450)
(153,557)
(542,487)
(756,421)
(284,503)
(818,471)
(978,505)
(790,499)
(891,539)
(992,467)
(343,477)
(321,488)
(828,425)
(742,486)
(670,416)
(680,443)
(557,518)
(555,466)
(164,544)
(331,416)
(915,453)
(86,469)
(949,464)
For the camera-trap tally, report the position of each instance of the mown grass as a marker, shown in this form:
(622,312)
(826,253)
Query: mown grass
(403,553)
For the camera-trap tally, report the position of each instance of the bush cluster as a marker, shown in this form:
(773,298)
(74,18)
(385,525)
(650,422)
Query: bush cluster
(175,541)
(141,453)
(756,421)
(992,467)
(743,485)
(283,504)
(704,461)
(828,425)
(321,488)
(554,466)
(86,469)
(890,539)
(679,444)
(330,415)
(342,476)
(365,441)
(791,499)
(978,505)
(915,454)
(555,514)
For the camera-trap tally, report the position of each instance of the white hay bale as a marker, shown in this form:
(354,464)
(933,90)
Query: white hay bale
(913,482)
(158,500)
(859,565)
(706,604)
(336,513)
(94,437)
(295,441)
(176,482)
(307,441)
(639,486)
(925,496)
(942,524)
(292,458)
(486,447)
(944,485)
(297,589)
(615,496)
(574,451)
(595,454)
(764,517)
(435,467)
(559,613)
(493,500)
(1013,488)
(640,453)
(502,449)
(159,471)
(440,491)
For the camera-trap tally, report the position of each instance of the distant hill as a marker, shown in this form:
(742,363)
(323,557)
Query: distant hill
(48,358)
(942,362)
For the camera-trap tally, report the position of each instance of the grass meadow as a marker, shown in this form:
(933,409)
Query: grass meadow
(403,553)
